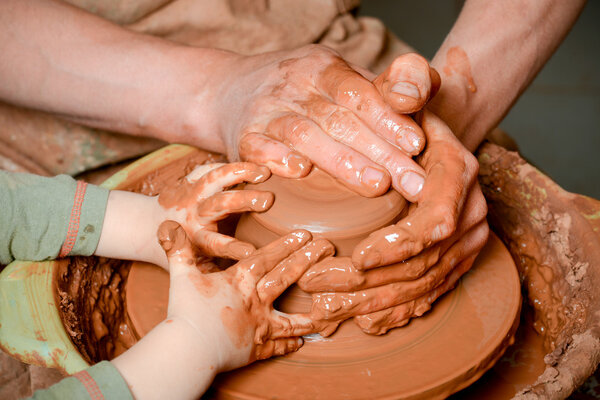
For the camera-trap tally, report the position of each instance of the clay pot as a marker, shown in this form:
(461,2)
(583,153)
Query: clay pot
(323,206)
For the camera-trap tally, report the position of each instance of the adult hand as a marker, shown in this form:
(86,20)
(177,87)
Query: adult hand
(290,109)
(232,310)
(403,268)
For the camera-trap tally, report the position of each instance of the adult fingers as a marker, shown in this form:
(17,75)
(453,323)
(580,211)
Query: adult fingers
(216,180)
(214,244)
(330,306)
(345,127)
(352,168)
(221,204)
(346,87)
(288,271)
(451,173)
(277,347)
(408,83)
(332,274)
(340,275)
(266,258)
(279,158)
(286,325)
(380,322)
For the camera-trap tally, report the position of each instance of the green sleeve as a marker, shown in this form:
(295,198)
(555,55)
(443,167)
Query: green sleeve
(102,381)
(37,213)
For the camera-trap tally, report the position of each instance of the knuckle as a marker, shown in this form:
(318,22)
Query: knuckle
(471,164)
(341,125)
(298,131)
(446,221)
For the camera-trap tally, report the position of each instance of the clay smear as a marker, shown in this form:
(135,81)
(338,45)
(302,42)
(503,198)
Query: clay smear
(457,62)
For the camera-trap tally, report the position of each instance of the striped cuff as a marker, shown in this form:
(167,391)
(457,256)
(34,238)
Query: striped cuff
(99,382)
(85,220)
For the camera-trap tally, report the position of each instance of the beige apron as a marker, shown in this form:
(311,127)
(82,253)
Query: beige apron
(41,143)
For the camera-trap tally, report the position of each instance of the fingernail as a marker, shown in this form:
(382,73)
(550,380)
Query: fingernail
(373,259)
(372,177)
(412,183)
(406,89)
(297,165)
(409,141)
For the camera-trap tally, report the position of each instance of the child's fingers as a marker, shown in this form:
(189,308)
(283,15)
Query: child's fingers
(175,243)
(214,244)
(288,271)
(227,175)
(220,205)
(267,257)
(278,347)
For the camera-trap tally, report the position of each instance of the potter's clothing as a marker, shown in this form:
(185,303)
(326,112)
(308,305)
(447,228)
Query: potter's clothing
(243,26)
(44,218)
(101,381)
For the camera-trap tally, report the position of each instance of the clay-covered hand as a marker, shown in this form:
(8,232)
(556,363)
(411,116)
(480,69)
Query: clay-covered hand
(291,109)
(398,271)
(232,310)
(200,200)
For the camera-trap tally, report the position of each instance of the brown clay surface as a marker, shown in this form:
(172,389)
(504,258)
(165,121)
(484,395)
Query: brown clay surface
(147,296)
(321,205)
(432,357)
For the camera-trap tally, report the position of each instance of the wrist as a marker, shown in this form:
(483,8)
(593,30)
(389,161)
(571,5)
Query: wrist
(130,226)
(170,362)
(187,110)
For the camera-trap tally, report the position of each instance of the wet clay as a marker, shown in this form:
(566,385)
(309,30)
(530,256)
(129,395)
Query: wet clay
(324,369)
(554,238)
(430,358)
(321,205)
(147,296)
(457,62)
(91,297)
(518,368)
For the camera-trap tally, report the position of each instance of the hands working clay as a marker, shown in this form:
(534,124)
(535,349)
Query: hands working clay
(294,108)
(217,319)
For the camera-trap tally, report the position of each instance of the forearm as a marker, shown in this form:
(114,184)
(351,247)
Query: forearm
(130,225)
(491,55)
(60,59)
(170,362)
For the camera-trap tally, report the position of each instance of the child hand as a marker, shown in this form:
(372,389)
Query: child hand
(232,310)
(198,202)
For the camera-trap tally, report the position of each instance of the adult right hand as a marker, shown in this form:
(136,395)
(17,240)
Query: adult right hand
(291,109)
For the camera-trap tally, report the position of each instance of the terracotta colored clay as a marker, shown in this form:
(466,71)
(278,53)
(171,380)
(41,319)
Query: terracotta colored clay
(321,205)
(432,357)
(457,62)
(554,237)
(147,296)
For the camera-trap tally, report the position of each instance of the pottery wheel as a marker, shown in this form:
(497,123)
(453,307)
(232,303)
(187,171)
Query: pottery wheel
(434,356)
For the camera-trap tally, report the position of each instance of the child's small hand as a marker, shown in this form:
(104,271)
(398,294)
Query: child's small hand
(232,310)
(198,202)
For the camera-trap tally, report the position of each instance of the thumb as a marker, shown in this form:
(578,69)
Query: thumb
(408,83)
(175,242)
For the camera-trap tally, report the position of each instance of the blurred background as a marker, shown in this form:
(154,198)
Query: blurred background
(556,122)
